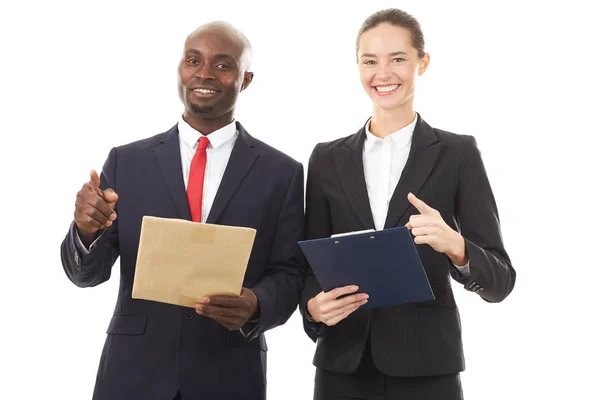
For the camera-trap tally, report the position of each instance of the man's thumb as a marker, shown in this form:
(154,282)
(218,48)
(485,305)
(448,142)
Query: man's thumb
(94,179)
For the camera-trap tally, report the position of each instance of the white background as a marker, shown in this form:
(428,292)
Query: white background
(78,78)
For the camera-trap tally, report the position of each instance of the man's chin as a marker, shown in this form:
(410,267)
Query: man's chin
(201,109)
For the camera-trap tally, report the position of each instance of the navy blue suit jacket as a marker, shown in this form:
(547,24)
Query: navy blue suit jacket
(153,349)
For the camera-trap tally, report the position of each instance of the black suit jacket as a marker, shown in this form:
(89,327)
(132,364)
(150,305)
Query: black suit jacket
(446,171)
(153,349)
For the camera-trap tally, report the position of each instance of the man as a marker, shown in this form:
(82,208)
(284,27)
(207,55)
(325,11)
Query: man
(206,168)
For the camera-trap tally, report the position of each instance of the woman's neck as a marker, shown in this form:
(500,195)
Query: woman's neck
(386,122)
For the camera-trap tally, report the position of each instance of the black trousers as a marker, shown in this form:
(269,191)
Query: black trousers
(368,383)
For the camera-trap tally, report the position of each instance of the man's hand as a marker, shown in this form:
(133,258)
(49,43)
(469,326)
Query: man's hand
(328,308)
(230,311)
(429,228)
(94,208)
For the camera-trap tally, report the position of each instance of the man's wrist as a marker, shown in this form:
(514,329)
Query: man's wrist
(86,238)
(255,306)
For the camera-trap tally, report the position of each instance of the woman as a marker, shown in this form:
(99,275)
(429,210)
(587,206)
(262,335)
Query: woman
(395,171)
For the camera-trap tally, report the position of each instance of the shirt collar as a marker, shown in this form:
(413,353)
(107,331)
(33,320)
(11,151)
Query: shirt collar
(402,137)
(219,137)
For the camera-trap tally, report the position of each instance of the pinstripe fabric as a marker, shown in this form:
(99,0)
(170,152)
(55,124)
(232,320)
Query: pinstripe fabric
(421,159)
(349,165)
(367,383)
(446,171)
(376,386)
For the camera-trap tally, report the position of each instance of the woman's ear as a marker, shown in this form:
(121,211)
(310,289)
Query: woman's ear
(424,64)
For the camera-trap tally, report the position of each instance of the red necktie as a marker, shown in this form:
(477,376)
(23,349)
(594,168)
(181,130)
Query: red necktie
(196,179)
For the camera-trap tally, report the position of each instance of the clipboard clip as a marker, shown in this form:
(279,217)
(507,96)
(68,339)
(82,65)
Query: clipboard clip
(352,233)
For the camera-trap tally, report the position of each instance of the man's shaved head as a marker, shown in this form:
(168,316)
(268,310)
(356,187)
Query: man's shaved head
(234,34)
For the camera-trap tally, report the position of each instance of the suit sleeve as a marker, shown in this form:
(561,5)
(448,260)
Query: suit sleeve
(93,267)
(318,225)
(279,289)
(491,273)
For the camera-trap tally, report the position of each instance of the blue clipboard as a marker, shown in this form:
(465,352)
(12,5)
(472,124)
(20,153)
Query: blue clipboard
(384,264)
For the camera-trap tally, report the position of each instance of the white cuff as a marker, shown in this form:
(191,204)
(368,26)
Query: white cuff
(80,246)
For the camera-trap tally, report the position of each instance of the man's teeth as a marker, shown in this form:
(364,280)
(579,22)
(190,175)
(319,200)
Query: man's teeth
(388,88)
(205,91)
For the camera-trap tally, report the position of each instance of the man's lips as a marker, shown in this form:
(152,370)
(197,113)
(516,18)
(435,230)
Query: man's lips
(204,91)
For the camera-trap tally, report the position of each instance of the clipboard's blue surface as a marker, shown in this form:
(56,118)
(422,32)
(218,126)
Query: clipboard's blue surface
(384,264)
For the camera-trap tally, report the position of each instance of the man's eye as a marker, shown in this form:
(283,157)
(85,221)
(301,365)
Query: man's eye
(223,66)
(192,61)
(369,62)
(399,60)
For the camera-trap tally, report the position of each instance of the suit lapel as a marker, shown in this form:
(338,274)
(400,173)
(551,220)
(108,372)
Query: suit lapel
(421,159)
(169,159)
(349,165)
(241,161)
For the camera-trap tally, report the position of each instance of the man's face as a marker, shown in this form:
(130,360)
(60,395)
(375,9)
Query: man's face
(211,73)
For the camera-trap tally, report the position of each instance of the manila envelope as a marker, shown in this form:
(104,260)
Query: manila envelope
(179,261)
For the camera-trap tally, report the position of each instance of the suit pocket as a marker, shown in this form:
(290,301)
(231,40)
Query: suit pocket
(127,325)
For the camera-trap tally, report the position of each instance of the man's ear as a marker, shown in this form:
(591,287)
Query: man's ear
(248,76)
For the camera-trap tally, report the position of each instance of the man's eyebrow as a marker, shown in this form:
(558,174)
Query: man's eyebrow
(220,56)
(226,56)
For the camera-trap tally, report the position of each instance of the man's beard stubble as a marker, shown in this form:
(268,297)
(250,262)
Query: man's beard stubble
(198,109)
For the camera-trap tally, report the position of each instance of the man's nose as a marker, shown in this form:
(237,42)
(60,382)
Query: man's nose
(205,71)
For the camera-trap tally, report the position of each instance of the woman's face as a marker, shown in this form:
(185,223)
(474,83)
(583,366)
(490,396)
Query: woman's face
(389,65)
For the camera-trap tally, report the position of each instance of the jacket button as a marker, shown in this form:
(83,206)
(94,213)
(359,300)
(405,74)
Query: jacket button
(189,317)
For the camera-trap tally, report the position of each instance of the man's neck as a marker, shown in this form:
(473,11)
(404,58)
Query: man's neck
(206,126)
(386,122)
